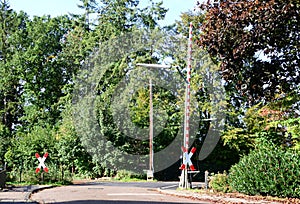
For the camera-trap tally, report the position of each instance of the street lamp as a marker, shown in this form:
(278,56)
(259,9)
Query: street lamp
(159,66)
(151,152)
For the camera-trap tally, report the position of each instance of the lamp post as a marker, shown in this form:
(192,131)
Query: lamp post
(151,166)
(151,152)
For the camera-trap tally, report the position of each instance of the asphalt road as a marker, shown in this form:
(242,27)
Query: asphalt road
(111,193)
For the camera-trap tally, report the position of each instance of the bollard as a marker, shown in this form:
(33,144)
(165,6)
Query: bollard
(206,179)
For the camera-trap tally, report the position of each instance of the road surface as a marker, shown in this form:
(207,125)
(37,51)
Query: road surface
(110,193)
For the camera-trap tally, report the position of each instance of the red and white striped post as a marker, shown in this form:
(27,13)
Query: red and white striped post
(188,89)
(184,175)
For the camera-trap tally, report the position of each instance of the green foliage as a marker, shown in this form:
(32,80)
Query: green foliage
(4,142)
(29,176)
(267,170)
(276,122)
(109,87)
(44,73)
(20,157)
(10,90)
(162,100)
(219,182)
(125,175)
(66,155)
(196,19)
(119,16)
(114,18)
(238,139)
(36,72)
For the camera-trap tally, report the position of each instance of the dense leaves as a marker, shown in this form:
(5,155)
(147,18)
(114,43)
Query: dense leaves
(10,91)
(44,72)
(277,122)
(267,170)
(35,76)
(39,59)
(257,44)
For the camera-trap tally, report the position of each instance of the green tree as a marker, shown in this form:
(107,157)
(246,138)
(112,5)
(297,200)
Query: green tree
(37,71)
(20,156)
(278,122)
(10,72)
(114,18)
(72,156)
(89,7)
(45,71)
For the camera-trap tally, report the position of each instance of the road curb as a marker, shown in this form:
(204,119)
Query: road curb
(35,190)
(214,198)
(173,193)
(21,194)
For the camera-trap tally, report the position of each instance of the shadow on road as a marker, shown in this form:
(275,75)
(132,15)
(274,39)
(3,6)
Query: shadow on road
(165,185)
(115,202)
(16,202)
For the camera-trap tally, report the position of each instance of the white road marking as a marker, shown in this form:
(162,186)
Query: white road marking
(166,187)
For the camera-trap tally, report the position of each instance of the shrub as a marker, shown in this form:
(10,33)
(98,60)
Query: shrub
(128,175)
(267,170)
(219,182)
(123,174)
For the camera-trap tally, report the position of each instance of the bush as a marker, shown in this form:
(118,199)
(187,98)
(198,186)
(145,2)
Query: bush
(128,175)
(268,170)
(27,174)
(219,182)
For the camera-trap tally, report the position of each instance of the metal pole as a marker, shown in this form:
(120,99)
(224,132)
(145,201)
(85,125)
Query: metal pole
(187,105)
(151,166)
(151,153)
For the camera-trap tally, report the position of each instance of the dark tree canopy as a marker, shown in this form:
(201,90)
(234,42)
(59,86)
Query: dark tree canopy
(256,43)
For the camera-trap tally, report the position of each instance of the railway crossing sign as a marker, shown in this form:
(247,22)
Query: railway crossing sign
(42,162)
(187,159)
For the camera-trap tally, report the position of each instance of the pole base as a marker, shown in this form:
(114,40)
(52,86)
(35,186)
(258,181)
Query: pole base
(150,175)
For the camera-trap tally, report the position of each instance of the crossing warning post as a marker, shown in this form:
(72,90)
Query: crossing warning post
(186,156)
(42,162)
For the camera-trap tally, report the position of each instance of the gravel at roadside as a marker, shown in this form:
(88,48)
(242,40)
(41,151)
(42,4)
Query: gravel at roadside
(230,198)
